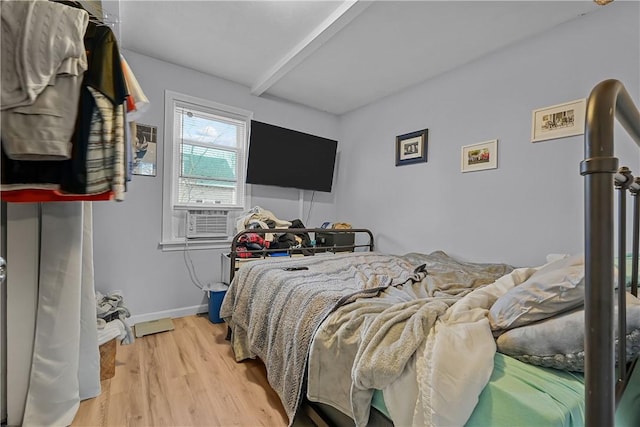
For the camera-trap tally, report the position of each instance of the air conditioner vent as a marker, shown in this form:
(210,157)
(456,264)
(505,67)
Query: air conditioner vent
(210,224)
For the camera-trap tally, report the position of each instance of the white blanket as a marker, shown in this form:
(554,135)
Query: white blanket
(375,344)
(457,359)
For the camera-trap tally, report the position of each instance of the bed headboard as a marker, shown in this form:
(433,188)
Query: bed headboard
(359,239)
(608,101)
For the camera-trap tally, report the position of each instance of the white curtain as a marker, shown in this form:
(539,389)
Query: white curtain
(66,361)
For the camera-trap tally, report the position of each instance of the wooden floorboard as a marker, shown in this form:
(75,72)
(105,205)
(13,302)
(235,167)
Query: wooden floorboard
(185,377)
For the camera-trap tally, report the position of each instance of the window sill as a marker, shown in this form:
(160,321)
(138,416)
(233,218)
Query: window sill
(181,245)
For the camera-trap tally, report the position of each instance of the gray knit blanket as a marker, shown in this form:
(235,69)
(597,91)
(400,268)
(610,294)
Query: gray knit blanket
(274,312)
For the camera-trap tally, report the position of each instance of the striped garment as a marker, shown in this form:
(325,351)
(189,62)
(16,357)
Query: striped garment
(106,148)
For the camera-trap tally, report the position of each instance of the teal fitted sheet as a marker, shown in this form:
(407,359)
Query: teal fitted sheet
(520,394)
(378,403)
(523,395)
(628,412)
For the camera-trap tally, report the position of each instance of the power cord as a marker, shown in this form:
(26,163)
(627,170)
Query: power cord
(192,270)
(306,223)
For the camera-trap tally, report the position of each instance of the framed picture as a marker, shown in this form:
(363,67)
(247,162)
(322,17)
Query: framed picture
(480,156)
(558,121)
(411,147)
(144,148)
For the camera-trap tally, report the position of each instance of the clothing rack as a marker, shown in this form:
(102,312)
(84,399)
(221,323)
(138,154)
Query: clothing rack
(93,8)
(97,13)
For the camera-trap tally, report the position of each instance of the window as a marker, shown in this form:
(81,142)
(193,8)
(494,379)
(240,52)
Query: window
(204,170)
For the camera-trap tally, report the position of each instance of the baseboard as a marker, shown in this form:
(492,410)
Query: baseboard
(176,312)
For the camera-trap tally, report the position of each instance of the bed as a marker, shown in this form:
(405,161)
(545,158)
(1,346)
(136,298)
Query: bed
(366,338)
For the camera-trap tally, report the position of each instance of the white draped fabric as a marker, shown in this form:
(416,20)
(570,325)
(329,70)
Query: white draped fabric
(66,362)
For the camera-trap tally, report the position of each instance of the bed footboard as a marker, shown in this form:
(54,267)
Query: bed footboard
(608,101)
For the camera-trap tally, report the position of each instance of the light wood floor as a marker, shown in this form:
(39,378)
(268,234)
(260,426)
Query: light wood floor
(184,377)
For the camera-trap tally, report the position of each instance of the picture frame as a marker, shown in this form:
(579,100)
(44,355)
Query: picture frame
(481,156)
(145,145)
(412,147)
(558,121)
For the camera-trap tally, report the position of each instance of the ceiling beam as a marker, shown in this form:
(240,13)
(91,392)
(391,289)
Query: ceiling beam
(344,14)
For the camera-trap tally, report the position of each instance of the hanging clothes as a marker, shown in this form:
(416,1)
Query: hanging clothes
(104,75)
(40,39)
(42,70)
(137,104)
(139,99)
(33,195)
(105,148)
(56,83)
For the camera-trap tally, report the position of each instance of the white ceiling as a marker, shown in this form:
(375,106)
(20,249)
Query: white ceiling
(334,56)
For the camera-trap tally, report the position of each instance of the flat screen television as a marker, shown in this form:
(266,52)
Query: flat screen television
(288,158)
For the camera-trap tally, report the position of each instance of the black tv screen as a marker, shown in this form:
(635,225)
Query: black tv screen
(288,158)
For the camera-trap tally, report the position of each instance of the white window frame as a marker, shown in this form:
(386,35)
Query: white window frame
(174,214)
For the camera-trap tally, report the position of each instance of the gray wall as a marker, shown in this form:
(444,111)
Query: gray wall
(528,207)
(532,204)
(126,235)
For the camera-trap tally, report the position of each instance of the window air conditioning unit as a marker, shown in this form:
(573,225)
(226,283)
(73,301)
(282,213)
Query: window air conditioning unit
(209,224)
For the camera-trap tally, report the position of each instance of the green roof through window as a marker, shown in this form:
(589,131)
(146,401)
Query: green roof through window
(211,168)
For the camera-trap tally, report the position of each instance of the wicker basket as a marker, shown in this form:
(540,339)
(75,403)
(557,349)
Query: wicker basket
(108,360)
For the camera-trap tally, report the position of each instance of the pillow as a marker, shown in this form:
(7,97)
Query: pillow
(556,287)
(558,342)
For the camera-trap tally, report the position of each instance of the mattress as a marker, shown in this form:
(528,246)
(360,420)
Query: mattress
(519,394)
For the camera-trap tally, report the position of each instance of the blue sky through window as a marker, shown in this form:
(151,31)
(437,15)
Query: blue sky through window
(206,130)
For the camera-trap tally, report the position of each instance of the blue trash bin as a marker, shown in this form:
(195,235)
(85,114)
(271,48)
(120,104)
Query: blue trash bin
(216,296)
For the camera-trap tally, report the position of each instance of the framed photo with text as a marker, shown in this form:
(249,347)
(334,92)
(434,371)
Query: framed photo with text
(411,147)
(558,121)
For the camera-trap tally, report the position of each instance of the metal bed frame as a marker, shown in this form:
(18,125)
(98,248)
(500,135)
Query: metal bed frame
(321,416)
(290,251)
(609,100)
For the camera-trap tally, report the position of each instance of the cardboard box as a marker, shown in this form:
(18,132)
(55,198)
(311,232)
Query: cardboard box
(108,360)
